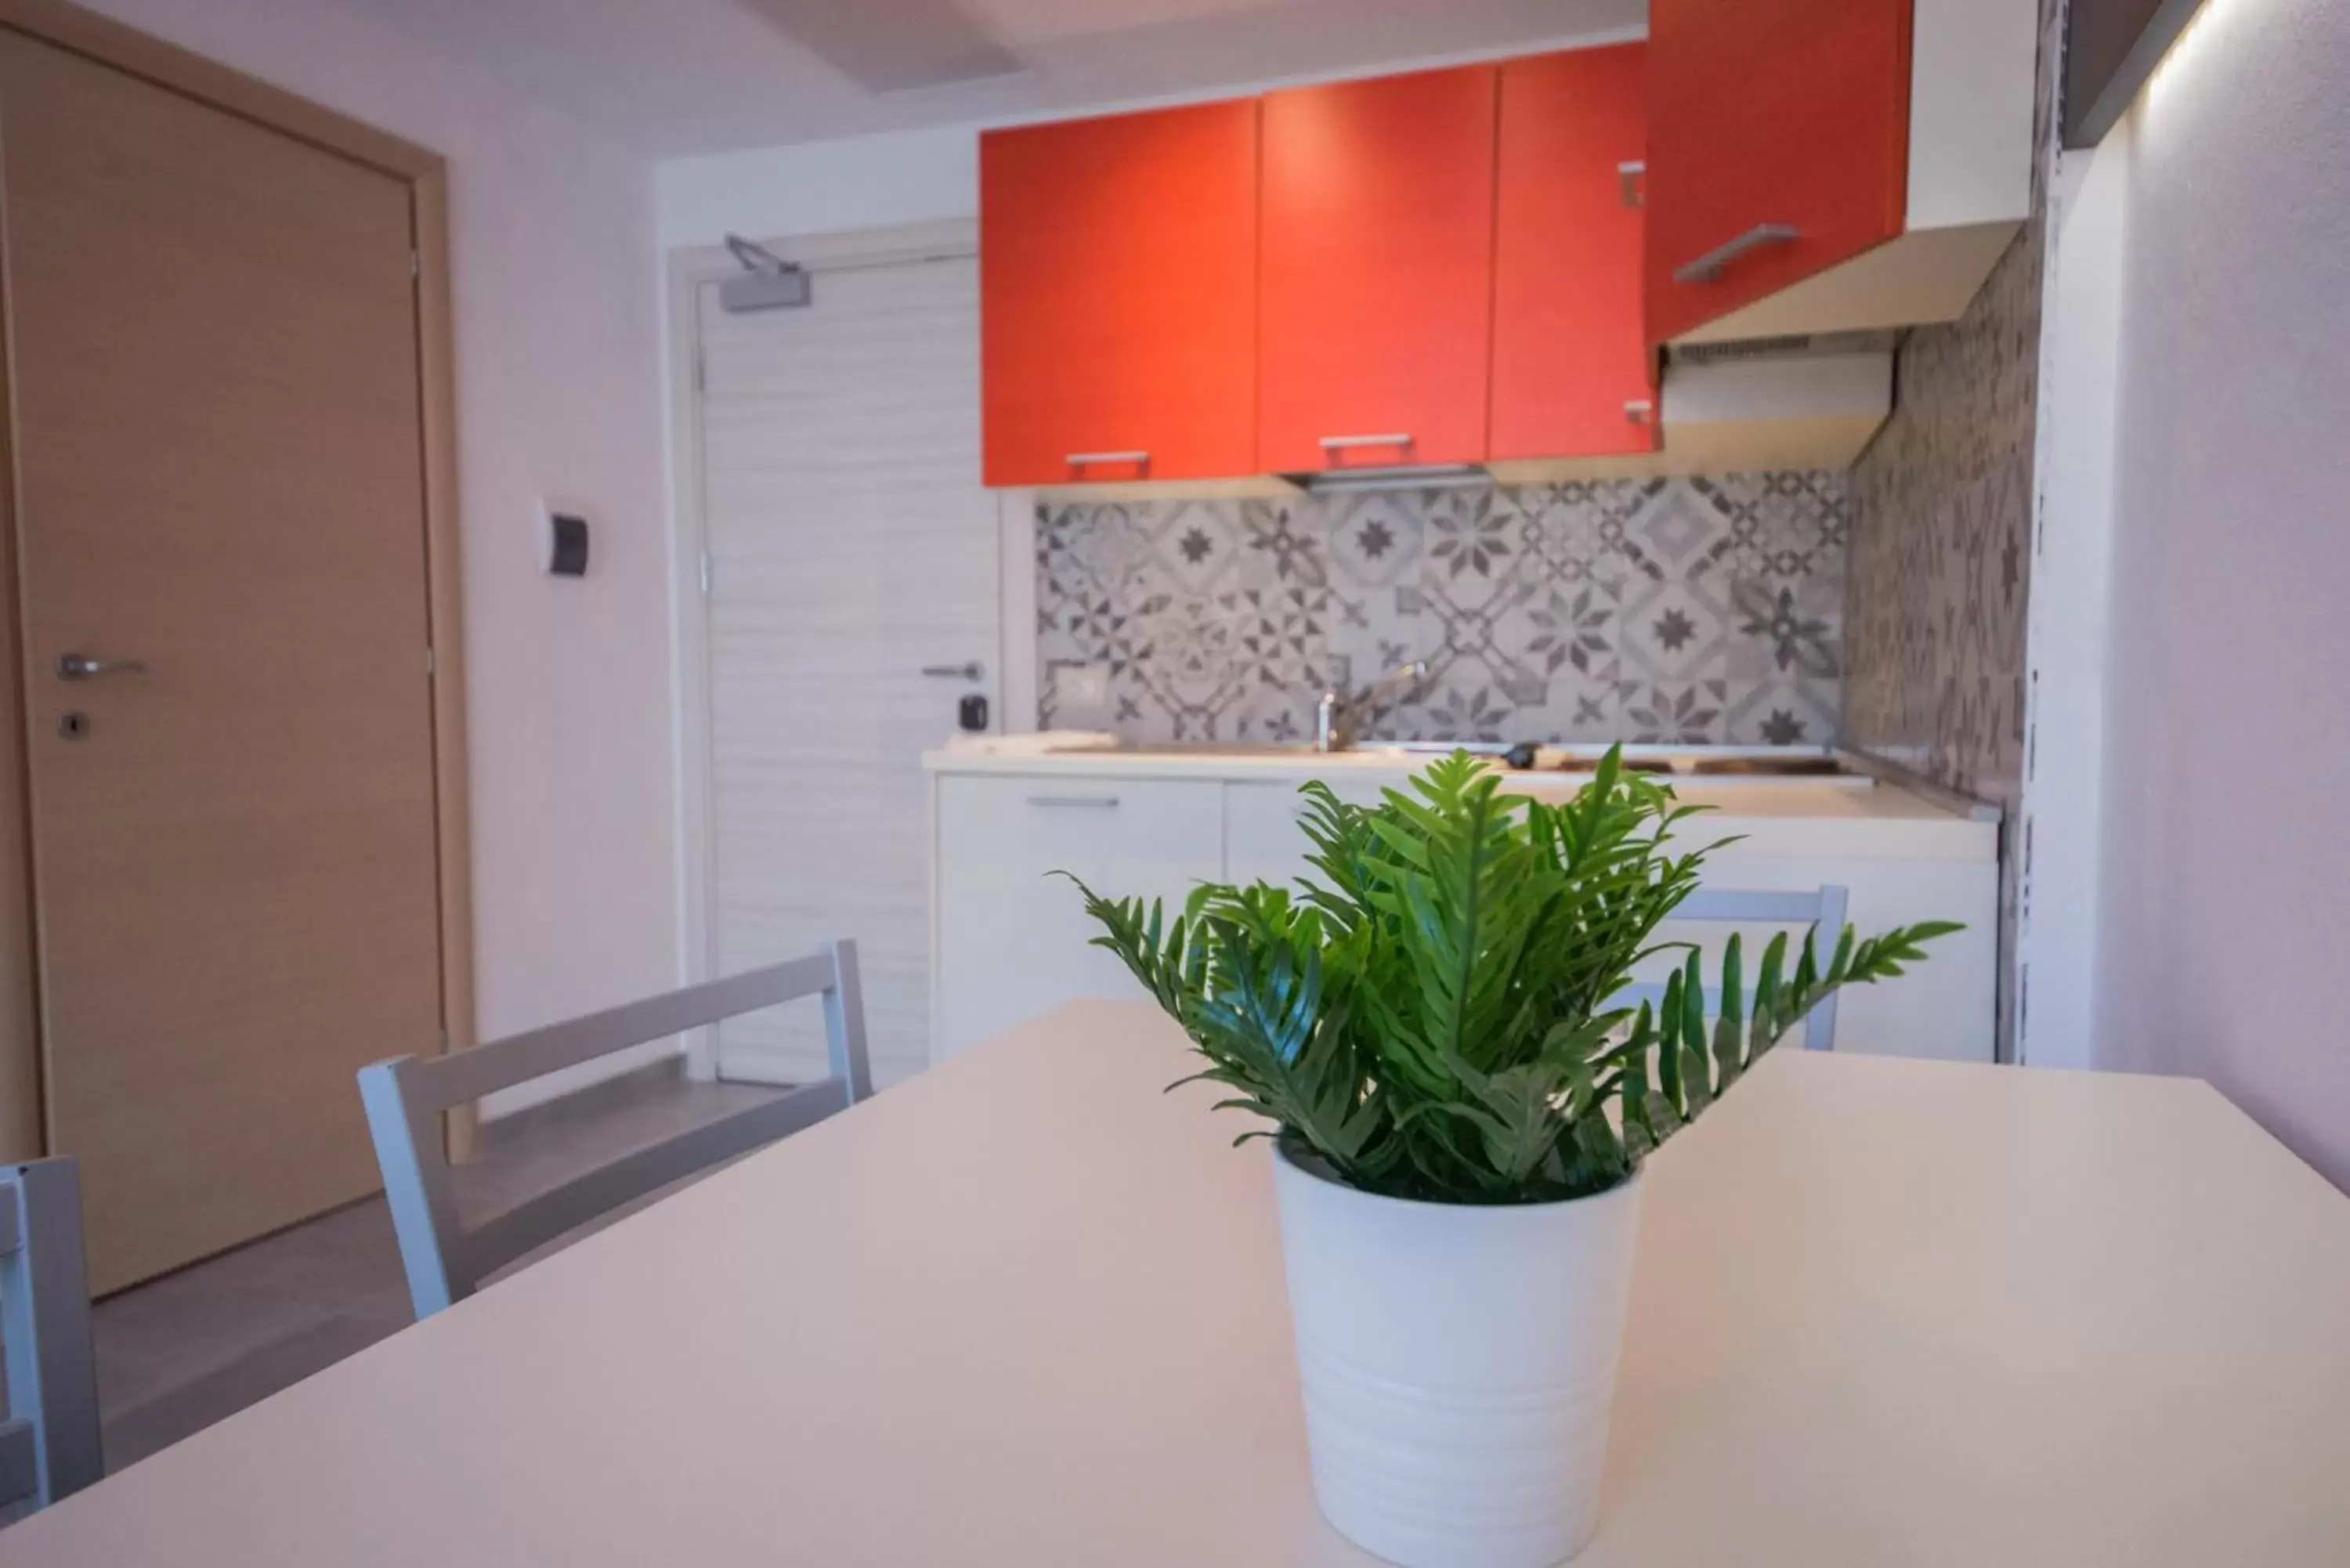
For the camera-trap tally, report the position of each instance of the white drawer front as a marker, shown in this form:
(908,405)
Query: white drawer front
(1263,842)
(1013,939)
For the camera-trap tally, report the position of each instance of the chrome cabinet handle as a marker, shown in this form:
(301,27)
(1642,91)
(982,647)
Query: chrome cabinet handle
(1355,443)
(973,671)
(1640,410)
(1078,802)
(1108,458)
(81,666)
(1628,176)
(1708,266)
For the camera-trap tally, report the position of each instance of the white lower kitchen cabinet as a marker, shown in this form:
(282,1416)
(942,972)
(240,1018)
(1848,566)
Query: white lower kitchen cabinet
(1263,842)
(1010,939)
(1945,1008)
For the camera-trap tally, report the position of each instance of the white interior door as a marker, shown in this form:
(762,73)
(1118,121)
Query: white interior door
(852,559)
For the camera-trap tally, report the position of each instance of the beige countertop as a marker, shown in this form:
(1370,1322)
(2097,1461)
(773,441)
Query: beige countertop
(1026,1308)
(1801,815)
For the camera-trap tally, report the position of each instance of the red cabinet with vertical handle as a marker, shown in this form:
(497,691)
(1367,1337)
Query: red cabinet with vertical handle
(1778,146)
(1119,297)
(1377,272)
(1573,376)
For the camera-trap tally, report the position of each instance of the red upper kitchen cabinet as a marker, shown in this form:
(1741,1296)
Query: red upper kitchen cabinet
(1573,376)
(1377,280)
(1119,297)
(1778,146)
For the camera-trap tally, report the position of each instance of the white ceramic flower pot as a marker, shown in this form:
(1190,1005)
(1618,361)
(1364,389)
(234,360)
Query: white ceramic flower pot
(1457,1366)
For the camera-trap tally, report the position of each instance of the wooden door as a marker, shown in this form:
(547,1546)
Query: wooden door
(1377,272)
(1118,297)
(1778,146)
(219,497)
(853,579)
(1573,376)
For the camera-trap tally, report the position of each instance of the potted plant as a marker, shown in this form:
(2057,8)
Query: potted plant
(1459,1113)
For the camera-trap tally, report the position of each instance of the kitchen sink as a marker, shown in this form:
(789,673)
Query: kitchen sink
(1384,750)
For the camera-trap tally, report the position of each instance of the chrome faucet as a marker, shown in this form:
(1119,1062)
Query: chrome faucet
(1339,719)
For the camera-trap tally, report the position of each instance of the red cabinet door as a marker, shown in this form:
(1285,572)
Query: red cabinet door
(1572,371)
(1118,297)
(1778,146)
(1378,278)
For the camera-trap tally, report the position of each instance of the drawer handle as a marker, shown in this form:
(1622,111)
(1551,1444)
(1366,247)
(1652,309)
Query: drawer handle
(1708,266)
(1627,183)
(1351,443)
(1640,410)
(1075,801)
(1109,459)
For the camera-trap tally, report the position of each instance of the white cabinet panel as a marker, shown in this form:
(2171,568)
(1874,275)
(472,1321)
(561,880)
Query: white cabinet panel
(1945,1007)
(1012,938)
(1941,1008)
(1263,842)
(1011,942)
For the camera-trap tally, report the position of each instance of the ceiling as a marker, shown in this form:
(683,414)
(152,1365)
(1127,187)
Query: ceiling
(669,78)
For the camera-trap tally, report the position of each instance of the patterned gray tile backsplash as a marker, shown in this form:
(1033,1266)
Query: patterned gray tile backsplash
(1689,611)
(1942,556)
(1942,546)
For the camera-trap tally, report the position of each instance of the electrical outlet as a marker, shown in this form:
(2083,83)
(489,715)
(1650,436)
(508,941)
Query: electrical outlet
(1080,695)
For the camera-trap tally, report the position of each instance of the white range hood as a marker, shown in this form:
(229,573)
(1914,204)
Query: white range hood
(1771,406)
(1776,405)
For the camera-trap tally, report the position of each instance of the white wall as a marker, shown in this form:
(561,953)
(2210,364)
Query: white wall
(558,393)
(2225,882)
(820,187)
(2071,608)
(919,176)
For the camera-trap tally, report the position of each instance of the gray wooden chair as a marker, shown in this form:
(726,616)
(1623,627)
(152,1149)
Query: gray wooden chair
(49,1444)
(405,1098)
(1823,910)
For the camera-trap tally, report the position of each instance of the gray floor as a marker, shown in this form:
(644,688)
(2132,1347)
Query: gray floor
(177,1354)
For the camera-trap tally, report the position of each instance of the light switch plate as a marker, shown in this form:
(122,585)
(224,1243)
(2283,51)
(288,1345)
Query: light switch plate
(1081,695)
(566,538)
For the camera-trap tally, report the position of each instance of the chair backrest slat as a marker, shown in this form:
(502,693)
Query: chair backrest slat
(1765,908)
(466,1075)
(45,1336)
(405,1099)
(530,1225)
(1823,910)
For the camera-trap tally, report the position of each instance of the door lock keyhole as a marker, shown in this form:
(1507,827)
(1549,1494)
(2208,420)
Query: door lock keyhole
(74,726)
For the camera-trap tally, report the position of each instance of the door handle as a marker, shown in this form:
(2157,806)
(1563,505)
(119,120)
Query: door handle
(973,671)
(81,666)
(1356,442)
(1708,266)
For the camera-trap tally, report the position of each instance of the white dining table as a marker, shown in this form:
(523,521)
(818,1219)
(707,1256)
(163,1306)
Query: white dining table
(1027,1309)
